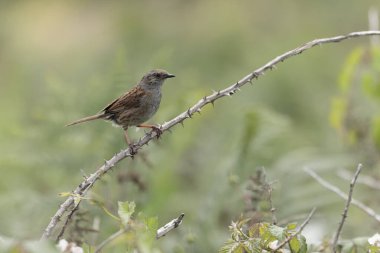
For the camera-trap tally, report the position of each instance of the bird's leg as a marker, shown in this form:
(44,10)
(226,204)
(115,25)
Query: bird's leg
(127,138)
(154,128)
(130,144)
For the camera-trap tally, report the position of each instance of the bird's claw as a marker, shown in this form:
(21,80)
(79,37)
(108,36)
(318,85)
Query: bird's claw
(132,149)
(157,130)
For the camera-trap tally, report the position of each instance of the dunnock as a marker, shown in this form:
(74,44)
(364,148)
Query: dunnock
(135,106)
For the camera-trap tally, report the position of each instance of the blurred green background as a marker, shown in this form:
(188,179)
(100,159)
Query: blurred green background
(62,60)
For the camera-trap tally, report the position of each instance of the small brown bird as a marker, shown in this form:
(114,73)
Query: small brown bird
(135,106)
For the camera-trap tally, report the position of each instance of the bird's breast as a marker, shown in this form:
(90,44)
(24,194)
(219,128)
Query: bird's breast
(151,103)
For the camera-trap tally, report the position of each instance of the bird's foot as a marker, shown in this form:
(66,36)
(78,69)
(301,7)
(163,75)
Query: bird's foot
(157,130)
(131,145)
(132,149)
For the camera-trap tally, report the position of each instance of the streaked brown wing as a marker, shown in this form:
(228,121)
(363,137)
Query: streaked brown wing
(129,100)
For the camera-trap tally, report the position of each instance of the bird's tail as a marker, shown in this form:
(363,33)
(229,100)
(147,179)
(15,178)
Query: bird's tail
(89,118)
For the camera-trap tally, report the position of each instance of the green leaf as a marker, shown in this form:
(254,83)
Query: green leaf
(291,226)
(65,194)
(254,230)
(231,247)
(252,246)
(125,211)
(302,240)
(263,228)
(295,245)
(298,244)
(278,232)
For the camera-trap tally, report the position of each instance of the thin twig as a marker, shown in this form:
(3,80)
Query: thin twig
(345,211)
(343,195)
(299,230)
(162,231)
(69,216)
(83,188)
(272,208)
(108,240)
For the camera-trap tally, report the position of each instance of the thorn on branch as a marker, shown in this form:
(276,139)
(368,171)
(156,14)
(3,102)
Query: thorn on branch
(189,113)
(84,174)
(255,75)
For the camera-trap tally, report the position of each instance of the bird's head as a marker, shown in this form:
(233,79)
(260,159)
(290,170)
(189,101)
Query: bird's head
(155,78)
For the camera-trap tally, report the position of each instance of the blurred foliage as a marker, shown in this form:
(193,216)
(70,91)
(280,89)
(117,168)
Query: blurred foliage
(252,232)
(62,60)
(262,237)
(137,233)
(355,111)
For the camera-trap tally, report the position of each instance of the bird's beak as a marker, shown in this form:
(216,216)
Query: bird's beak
(170,76)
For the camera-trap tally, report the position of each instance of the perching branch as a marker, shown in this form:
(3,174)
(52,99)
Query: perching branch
(299,230)
(345,211)
(343,195)
(83,188)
